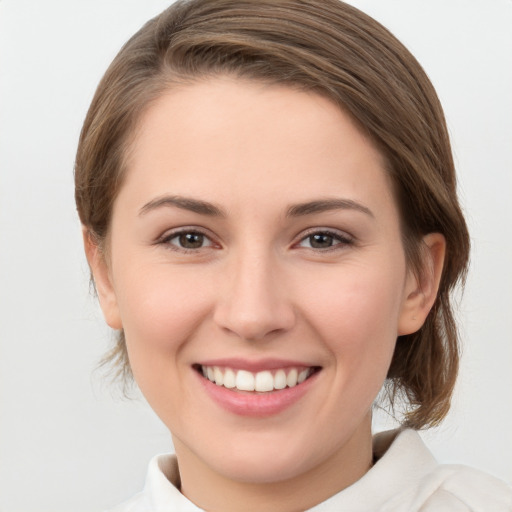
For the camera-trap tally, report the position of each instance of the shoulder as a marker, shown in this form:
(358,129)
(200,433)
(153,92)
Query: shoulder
(161,491)
(138,503)
(463,488)
(446,488)
(407,478)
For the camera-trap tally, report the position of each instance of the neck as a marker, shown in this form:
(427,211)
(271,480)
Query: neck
(213,491)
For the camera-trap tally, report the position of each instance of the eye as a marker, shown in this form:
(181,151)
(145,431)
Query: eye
(324,240)
(188,240)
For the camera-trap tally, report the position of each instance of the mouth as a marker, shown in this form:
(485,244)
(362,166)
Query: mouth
(264,381)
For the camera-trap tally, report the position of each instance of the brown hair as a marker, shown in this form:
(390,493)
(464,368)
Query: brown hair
(331,48)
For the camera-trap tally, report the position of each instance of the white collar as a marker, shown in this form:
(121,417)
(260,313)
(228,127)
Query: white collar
(403,459)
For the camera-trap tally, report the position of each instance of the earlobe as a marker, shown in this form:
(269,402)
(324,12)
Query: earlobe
(421,291)
(102,280)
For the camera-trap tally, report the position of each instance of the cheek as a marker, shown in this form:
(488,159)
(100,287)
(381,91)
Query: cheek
(160,310)
(357,316)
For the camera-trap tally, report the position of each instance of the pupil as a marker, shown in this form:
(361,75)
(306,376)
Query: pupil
(320,241)
(191,240)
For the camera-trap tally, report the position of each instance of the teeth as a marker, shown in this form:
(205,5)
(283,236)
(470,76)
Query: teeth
(303,375)
(244,381)
(280,379)
(263,381)
(291,379)
(229,379)
(218,375)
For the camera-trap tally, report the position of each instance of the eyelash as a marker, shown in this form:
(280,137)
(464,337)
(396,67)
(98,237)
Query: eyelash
(339,240)
(167,240)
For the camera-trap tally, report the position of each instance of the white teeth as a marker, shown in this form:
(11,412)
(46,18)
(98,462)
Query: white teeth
(244,381)
(262,382)
(302,376)
(229,379)
(219,376)
(291,379)
(280,379)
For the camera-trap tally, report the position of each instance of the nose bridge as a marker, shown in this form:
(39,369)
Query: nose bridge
(254,302)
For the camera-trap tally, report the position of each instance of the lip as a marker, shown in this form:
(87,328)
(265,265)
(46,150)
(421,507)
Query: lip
(255,366)
(254,404)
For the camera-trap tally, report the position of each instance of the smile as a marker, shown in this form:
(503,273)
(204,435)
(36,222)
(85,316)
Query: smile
(262,381)
(256,389)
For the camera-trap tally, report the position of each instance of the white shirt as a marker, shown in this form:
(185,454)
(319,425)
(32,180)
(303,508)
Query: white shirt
(405,478)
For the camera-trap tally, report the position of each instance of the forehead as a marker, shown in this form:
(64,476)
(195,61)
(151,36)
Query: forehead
(249,137)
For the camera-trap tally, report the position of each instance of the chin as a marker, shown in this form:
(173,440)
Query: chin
(257,469)
(263,459)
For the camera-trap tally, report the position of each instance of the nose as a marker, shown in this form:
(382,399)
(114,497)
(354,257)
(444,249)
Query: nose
(253,301)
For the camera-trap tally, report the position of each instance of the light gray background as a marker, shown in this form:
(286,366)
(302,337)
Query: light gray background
(67,444)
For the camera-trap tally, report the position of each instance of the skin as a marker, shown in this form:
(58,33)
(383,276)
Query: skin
(257,287)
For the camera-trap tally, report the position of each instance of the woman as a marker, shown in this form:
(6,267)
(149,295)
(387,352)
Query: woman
(270,215)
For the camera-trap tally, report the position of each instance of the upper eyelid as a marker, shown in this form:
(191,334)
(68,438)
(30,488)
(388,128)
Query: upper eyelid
(329,231)
(171,233)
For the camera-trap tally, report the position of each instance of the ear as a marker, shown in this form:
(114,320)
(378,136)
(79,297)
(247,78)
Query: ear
(102,280)
(421,294)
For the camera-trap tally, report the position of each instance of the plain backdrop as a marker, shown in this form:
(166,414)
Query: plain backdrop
(67,441)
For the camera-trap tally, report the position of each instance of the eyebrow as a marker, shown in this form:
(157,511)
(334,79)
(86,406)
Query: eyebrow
(184,203)
(296,210)
(324,205)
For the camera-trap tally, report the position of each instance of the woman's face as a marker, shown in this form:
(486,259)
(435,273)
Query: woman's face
(256,240)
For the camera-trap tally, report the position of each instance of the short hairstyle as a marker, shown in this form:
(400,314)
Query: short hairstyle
(330,48)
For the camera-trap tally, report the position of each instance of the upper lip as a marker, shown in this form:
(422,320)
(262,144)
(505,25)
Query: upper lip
(255,365)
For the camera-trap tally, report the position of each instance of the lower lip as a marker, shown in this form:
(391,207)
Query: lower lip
(256,404)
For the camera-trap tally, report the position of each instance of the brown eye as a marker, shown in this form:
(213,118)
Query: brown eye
(321,241)
(324,240)
(191,240)
(187,241)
